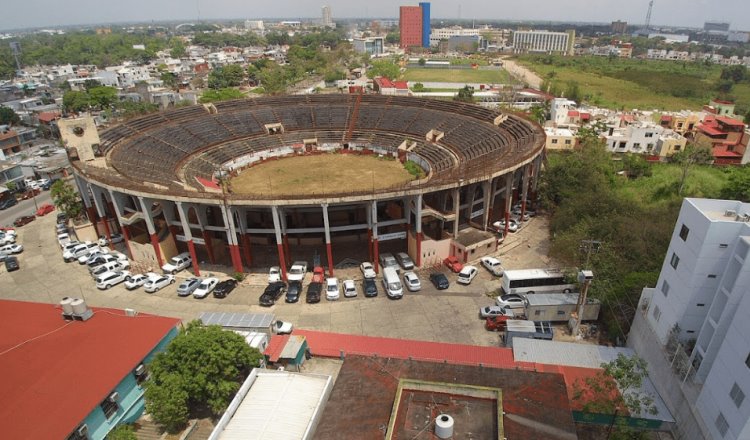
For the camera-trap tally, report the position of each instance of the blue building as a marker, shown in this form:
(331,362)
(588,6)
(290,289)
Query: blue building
(425,24)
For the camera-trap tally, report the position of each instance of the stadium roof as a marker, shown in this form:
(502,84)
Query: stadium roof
(55,372)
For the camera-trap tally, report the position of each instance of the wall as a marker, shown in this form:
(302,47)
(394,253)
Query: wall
(435,251)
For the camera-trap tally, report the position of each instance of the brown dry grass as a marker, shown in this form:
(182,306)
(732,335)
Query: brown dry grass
(319,175)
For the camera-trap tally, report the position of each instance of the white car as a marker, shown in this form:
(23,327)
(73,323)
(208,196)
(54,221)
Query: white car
(297,271)
(109,279)
(467,274)
(11,249)
(116,238)
(156,284)
(350,290)
(88,259)
(205,287)
(488,311)
(63,239)
(81,249)
(70,245)
(493,265)
(282,328)
(111,266)
(332,289)
(274,274)
(137,280)
(7,238)
(177,263)
(368,270)
(512,225)
(511,301)
(413,284)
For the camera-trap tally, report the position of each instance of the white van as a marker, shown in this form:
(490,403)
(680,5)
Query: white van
(392,283)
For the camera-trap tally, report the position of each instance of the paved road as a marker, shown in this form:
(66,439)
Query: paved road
(24,207)
(448,316)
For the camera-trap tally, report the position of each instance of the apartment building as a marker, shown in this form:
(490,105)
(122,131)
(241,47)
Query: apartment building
(559,138)
(533,41)
(726,137)
(638,137)
(414,25)
(440,34)
(702,299)
(371,45)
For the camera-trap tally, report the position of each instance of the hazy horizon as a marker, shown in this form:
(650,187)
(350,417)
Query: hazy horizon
(665,12)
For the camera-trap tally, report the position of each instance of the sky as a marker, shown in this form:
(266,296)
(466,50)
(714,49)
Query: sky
(49,13)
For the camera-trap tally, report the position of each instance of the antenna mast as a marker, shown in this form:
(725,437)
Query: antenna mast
(648,14)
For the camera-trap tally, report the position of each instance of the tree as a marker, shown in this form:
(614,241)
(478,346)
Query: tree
(573,91)
(227,76)
(203,367)
(102,97)
(422,61)
(74,101)
(418,87)
(539,114)
(636,166)
(8,116)
(466,94)
(274,79)
(66,199)
(392,38)
(688,157)
(384,68)
(734,73)
(737,186)
(220,95)
(122,432)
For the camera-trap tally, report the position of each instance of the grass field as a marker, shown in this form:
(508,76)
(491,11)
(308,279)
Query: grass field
(457,75)
(702,181)
(319,175)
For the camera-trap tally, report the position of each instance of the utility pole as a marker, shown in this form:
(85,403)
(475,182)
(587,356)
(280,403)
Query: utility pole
(585,277)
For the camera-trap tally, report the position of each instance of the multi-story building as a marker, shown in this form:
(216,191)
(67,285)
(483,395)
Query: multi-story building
(440,34)
(414,25)
(543,42)
(641,138)
(10,143)
(726,137)
(709,26)
(372,45)
(326,18)
(702,300)
(619,27)
(256,26)
(683,122)
(559,138)
(559,108)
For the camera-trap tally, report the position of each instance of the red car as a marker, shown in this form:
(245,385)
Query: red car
(20,221)
(453,264)
(44,209)
(318,275)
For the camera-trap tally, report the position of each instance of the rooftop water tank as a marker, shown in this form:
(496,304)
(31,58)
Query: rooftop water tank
(79,306)
(444,426)
(66,305)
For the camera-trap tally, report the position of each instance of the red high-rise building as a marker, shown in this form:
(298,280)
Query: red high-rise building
(410,25)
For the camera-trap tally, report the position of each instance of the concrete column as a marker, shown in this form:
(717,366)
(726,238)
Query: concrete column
(83,191)
(456,210)
(245,239)
(418,235)
(525,188)
(117,208)
(284,235)
(508,201)
(368,214)
(188,237)
(327,231)
(279,243)
(234,249)
(146,210)
(203,219)
(102,211)
(374,221)
(488,188)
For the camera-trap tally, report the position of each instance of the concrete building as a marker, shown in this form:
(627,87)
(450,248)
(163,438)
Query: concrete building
(669,143)
(559,139)
(72,372)
(326,18)
(619,27)
(543,42)
(440,34)
(414,25)
(372,45)
(726,137)
(702,301)
(641,138)
(718,26)
(256,26)
(559,109)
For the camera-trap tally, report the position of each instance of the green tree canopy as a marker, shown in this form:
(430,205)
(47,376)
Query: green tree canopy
(688,157)
(220,95)
(203,367)
(8,116)
(466,94)
(102,97)
(74,101)
(384,68)
(737,186)
(227,76)
(66,199)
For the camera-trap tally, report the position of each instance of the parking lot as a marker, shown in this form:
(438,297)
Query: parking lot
(447,316)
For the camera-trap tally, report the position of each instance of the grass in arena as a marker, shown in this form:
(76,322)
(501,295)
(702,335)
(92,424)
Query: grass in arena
(320,174)
(457,75)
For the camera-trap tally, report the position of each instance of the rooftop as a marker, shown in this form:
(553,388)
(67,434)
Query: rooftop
(55,372)
(471,236)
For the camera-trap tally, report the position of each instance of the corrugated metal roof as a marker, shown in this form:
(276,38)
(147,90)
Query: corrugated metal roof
(565,353)
(237,320)
(292,347)
(279,405)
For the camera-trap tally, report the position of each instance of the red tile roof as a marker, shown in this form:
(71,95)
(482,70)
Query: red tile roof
(276,347)
(585,116)
(573,113)
(401,84)
(54,373)
(384,83)
(723,151)
(710,129)
(729,121)
(8,134)
(666,117)
(48,116)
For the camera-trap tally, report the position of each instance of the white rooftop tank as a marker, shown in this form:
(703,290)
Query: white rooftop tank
(444,426)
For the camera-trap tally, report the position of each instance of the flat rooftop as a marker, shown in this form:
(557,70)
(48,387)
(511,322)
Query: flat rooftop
(471,236)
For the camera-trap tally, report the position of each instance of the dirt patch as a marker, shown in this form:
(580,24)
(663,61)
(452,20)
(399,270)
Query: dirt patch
(321,174)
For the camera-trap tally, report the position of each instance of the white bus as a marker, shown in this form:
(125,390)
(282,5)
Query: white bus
(528,281)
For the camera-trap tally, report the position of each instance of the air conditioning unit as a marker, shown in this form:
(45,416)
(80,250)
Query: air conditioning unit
(114,397)
(131,312)
(83,431)
(730,213)
(140,370)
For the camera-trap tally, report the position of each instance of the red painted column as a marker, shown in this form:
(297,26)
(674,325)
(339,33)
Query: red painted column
(419,249)
(376,255)
(91,214)
(234,251)
(330,259)
(126,237)
(523,208)
(209,247)
(246,250)
(173,230)
(285,241)
(194,256)
(107,232)
(157,249)
(282,263)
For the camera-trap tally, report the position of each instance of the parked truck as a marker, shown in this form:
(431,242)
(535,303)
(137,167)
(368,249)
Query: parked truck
(558,307)
(517,328)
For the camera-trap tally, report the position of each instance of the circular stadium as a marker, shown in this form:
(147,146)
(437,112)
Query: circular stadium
(328,179)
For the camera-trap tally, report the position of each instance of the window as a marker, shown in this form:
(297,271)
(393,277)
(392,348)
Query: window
(737,395)
(649,135)
(701,305)
(657,313)
(537,312)
(637,146)
(554,141)
(649,146)
(665,287)
(110,406)
(690,332)
(674,261)
(684,231)
(723,246)
(712,275)
(560,312)
(567,141)
(677,147)
(722,425)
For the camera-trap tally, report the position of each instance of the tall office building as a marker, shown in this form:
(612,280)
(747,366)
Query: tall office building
(543,42)
(715,26)
(326,14)
(414,25)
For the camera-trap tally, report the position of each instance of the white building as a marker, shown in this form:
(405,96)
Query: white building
(559,108)
(439,34)
(255,26)
(641,138)
(702,297)
(543,42)
(327,20)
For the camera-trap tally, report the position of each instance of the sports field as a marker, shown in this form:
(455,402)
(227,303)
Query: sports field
(320,175)
(495,76)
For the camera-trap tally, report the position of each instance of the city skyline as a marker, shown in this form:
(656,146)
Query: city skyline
(665,12)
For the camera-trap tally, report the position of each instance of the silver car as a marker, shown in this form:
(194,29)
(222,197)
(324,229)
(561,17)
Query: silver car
(188,286)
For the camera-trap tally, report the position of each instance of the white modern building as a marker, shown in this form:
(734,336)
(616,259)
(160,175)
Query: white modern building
(439,34)
(327,20)
(641,138)
(371,45)
(543,42)
(702,300)
(559,108)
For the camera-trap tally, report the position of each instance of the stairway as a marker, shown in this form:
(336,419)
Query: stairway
(146,430)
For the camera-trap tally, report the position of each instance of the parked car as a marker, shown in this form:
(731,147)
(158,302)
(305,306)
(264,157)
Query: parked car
(188,286)
(318,275)
(350,290)
(71,245)
(48,184)
(11,264)
(23,220)
(439,280)
(487,311)
(91,257)
(109,279)
(224,288)
(467,274)
(493,265)
(405,260)
(370,287)
(7,238)
(30,193)
(44,210)
(411,280)
(274,274)
(273,292)
(63,239)
(511,301)
(313,293)
(154,285)
(387,260)
(11,248)
(61,228)
(512,225)
(297,271)
(452,263)
(368,270)
(62,218)
(5,204)
(205,287)
(332,289)
(294,291)
(116,238)
(177,263)
(137,280)
(111,266)
(282,328)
